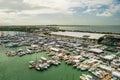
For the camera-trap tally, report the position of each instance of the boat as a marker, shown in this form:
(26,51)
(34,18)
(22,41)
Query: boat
(20,53)
(75,65)
(56,63)
(37,67)
(43,58)
(86,77)
(43,67)
(5,41)
(83,67)
(11,45)
(50,54)
(29,51)
(11,53)
(32,64)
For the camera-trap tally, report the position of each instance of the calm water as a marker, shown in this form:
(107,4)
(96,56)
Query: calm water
(110,28)
(16,68)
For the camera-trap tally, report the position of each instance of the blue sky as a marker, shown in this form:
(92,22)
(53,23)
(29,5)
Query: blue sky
(71,12)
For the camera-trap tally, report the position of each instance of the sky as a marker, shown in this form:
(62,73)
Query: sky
(62,12)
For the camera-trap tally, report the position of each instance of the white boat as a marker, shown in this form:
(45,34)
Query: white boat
(43,58)
(56,62)
(83,67)
(31,64)
(86,77)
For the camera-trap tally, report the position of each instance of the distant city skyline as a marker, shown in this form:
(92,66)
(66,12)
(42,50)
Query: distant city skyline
(60,12)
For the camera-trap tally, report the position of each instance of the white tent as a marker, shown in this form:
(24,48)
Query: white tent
(79,34)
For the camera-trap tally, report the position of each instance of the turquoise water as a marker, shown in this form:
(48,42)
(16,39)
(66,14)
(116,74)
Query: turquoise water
(98,28)
(16,68)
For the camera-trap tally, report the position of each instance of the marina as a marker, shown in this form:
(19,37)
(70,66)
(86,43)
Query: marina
(86,59)
(12,65)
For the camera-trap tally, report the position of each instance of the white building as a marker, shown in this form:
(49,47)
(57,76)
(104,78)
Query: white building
(81,35)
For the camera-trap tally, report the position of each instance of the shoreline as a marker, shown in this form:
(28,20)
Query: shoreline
(50,29)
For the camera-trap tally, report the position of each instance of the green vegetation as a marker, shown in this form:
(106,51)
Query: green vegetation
(18,28)
(54,28)
(28,28)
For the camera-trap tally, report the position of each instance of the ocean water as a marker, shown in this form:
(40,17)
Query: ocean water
(98,28)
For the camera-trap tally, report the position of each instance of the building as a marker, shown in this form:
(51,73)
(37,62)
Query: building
(89,37)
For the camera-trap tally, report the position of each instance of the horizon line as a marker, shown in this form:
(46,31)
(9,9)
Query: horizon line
(58,25)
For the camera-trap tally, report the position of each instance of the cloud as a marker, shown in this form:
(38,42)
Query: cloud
(17,6)
(113,9)
(56,6)
(88,11)
(107,14)
(53,6)
(28,9)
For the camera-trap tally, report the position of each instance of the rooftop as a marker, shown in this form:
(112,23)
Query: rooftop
(80,34)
